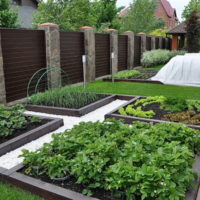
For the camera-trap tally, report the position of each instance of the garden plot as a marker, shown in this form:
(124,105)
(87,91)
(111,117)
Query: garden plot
(17,129)
(111,160)
(11,159)
(160,109)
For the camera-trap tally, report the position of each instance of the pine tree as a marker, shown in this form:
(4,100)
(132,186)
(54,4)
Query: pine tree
(8,16)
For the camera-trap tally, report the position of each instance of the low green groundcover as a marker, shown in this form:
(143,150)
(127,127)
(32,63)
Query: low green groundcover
(139,160)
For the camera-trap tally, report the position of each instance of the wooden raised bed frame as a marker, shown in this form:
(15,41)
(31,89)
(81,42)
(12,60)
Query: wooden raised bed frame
(53,192)
(133,80)
(77,112)
(31,135)
(131,119)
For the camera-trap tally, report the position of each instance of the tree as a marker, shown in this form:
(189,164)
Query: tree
(193,5)
(141,17)
(68,14)
(193,32)
(8,17)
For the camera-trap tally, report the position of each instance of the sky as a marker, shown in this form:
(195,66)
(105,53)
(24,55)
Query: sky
(178,4)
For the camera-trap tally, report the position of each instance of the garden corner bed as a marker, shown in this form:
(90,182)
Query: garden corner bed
(18,128)
(111,160)
(159,109)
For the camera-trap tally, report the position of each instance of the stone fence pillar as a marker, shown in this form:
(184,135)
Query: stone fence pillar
(2,78)
(160,42)
(131,52)
(153,42)
(143,42)
(52,37)
(113,50)
(89,41)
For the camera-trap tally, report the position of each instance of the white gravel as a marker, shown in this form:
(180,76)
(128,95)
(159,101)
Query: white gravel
(11,159)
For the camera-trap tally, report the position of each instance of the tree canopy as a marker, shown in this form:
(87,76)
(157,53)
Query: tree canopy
(141,17)
(193,5)
(8,16)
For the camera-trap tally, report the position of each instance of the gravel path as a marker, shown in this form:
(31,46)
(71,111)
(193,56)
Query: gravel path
(11,159)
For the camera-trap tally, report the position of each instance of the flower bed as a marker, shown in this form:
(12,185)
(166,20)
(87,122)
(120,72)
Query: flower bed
(67,101)
(17,129)
(160,109)
(113,160)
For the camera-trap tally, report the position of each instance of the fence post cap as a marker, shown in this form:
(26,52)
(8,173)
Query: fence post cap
(48,24)
(141,33)
(111,30)
(128,32)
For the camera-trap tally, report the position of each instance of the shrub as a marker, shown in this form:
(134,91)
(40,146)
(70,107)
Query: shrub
(67,97)
(141,160)
(12,119)
(157,57)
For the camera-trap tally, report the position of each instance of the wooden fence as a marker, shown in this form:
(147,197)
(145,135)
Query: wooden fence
(24,52)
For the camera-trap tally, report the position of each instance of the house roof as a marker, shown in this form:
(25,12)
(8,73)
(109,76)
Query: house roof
(168,8)
(180,29)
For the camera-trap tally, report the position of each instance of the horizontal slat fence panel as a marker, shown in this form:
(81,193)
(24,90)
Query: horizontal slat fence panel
(72,49)
(163,43)
(137,49)
(23,55)
(122,52)
(102,49)
(148,43)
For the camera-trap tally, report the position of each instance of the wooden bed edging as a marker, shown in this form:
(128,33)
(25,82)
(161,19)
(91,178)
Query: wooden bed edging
(133,80)
(71,112)
(131,119)
(31,135)
(53,192)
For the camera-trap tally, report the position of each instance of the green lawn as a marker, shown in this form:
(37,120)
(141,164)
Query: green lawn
(145,89)
(11,193)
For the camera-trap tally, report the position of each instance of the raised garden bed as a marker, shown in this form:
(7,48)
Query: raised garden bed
(80,111)
(142,76)
(111,160)
(160,115)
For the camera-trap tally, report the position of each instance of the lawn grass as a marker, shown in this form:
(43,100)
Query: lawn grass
(11,193)
(145,89)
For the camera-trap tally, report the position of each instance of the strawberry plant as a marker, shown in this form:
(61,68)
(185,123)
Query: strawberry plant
(13,118)
(138,161)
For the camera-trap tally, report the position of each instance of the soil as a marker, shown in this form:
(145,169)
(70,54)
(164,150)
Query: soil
(72,185)
(145,74)
(28,127)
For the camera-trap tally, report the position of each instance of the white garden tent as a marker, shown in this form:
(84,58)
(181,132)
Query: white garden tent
(181,70)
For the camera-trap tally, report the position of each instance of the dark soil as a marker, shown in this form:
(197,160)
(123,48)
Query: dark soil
(144,74)
(29,126)
(72,185)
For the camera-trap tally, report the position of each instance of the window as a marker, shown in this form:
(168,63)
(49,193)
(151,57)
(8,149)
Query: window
(16,2)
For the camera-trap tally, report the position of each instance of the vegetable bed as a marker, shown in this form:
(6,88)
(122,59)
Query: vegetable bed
(111,160)
(67,101)
(139,75)
(160,109)
(17,129)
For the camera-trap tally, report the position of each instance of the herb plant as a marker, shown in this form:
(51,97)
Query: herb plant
(127,74)
(66,97)
(141,160)
(13,118)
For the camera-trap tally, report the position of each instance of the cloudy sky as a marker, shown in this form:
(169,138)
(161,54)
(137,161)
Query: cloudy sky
(178,4)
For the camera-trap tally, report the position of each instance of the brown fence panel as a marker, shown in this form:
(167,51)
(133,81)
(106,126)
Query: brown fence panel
(163,43)
(102,49)
(23,54)
(122,52)
(72,49)
(157,43)
(148,43)
(137,49)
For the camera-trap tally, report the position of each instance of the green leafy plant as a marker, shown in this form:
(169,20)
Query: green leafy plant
(137,112)
(150,100)
(13,118)
(127,74)
(141,160)
(67,97)
(159,56)
(193,104)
